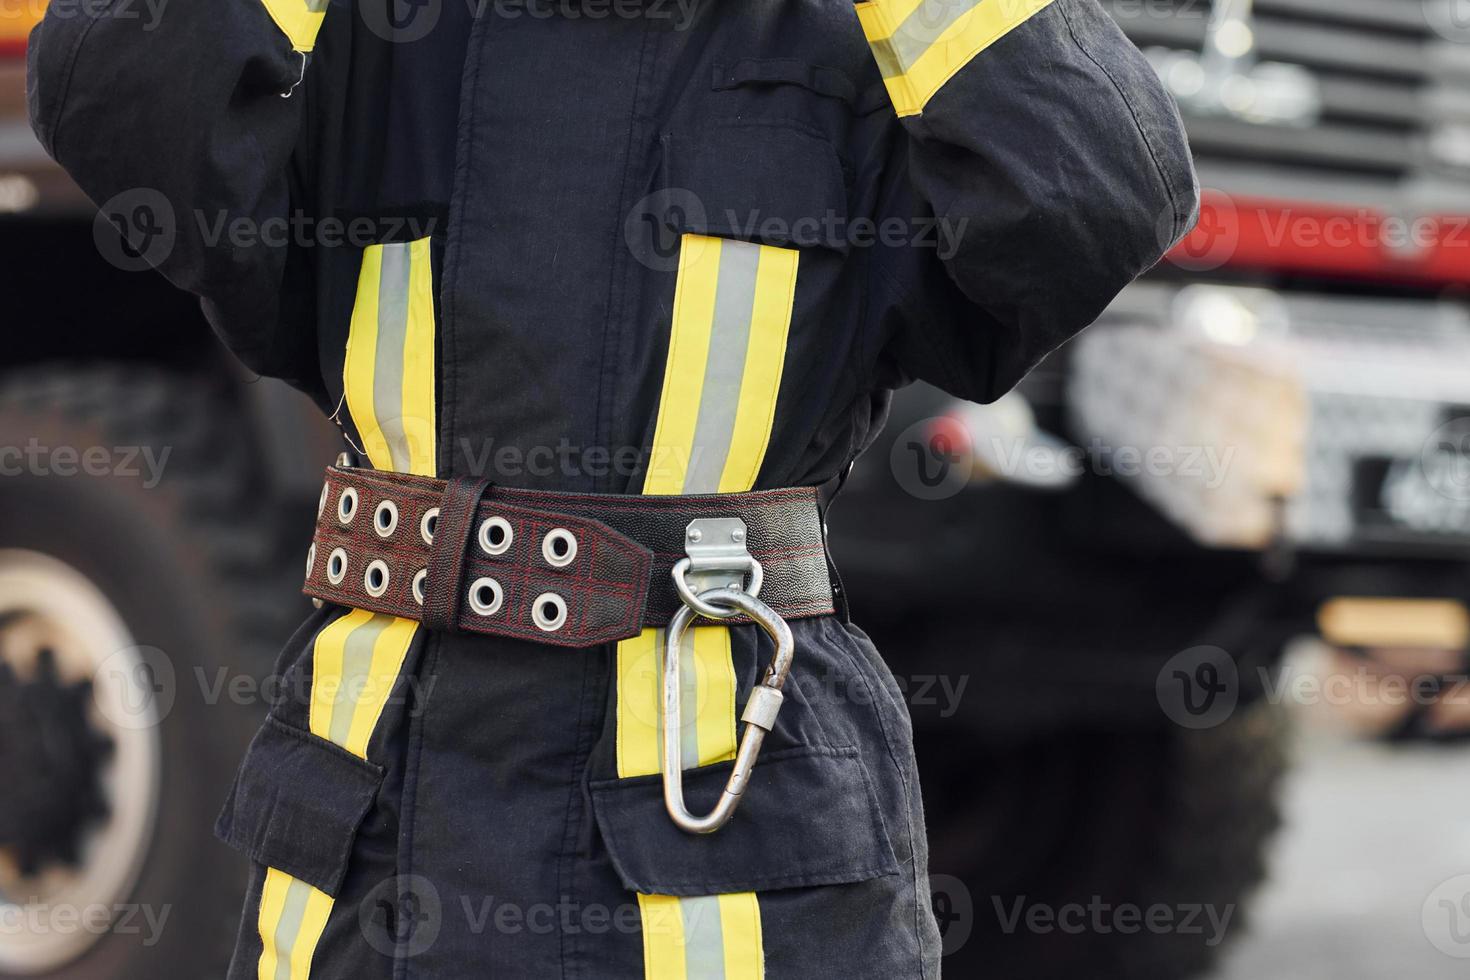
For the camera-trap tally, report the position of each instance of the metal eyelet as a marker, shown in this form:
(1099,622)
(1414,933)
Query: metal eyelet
(555,619)
(310,559)
(347,505)
(321,505)
(427,524)
(377,572)
(559,547)
(418,585)
(385,519)
(337,566)
(490,542)
(486,597)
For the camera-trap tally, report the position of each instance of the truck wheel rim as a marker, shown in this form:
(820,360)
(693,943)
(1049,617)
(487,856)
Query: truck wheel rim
(52,917)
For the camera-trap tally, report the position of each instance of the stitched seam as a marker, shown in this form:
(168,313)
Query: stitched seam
(1143,133)
(907,797)
(54,129)
(610,336)
(410,806)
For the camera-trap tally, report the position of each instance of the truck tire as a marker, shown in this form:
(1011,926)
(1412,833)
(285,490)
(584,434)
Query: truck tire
(1029,839)
(141,600)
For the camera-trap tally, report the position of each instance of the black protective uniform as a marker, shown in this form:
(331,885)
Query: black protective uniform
(625,247)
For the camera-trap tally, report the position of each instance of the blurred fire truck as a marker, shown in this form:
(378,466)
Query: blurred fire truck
(1269,437)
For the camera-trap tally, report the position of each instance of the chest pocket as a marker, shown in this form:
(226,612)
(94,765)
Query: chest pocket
(753,218)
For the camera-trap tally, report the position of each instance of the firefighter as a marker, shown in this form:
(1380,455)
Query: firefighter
(607,296)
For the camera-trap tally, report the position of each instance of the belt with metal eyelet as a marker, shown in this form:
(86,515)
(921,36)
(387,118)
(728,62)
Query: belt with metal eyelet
(565,569)
(577,570)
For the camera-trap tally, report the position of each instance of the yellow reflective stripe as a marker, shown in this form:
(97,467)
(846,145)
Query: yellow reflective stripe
(299,20)
(639,704)
(714,669)
(358,366)
(663,938)
(715,937)
(292,917)
(684,370)
(775,294)
(388,371)
(740,924)
(356,660)
(894,26)
(708,672)
(733,303)
(326,674)
(418,365)
(389,651)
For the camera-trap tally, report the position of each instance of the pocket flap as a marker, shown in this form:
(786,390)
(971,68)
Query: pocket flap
(767,182)
(809,817)
(297,804)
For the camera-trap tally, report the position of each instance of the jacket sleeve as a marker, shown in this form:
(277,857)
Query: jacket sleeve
(181,124)
(1042,146)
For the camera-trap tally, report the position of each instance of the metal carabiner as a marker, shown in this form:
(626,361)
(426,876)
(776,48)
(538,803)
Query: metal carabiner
(759,715)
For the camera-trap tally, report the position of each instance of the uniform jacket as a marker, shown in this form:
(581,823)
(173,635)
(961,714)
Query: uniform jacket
(618,246)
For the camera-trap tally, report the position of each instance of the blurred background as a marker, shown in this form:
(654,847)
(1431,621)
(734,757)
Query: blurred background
(1182,622)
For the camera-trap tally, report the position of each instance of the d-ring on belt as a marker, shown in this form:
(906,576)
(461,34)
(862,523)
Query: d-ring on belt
(578,570)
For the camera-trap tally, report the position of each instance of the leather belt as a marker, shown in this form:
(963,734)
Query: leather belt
(566,569)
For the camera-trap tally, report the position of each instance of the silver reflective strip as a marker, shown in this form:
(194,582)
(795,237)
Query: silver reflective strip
(293,910)
(357,666)
(704,938)
(393,289)
(919,30)
(725,365)
(688,698)
(688,702)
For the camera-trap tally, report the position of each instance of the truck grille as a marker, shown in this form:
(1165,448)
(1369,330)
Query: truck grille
(1390,85)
